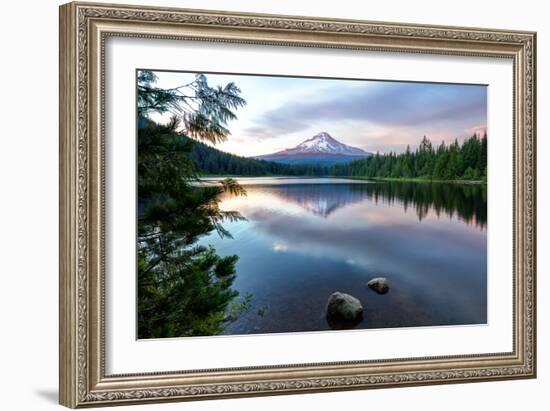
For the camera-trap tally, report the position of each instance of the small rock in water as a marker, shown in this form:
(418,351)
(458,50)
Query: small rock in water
(379,284)
(343,311)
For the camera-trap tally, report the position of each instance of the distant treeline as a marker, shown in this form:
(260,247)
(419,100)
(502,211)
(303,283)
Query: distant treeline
(212,161)
(466,161)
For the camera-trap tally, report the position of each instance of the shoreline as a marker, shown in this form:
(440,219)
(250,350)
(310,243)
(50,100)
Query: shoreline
(379,179)
(418,180)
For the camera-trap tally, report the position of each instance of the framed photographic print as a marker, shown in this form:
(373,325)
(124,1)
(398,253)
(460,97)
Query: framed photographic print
(259,204)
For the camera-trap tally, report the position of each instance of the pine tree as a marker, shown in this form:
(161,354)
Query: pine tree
(183,289)
(456,161)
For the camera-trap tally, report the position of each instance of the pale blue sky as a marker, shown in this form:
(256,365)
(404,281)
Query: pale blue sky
(281,112)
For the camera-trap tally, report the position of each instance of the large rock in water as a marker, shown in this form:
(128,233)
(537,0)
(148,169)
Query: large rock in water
(343,311)
(379,284)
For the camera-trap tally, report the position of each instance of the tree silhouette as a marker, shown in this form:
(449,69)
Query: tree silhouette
(183,289)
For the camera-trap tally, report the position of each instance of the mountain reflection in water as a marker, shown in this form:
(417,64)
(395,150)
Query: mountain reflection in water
(306,238)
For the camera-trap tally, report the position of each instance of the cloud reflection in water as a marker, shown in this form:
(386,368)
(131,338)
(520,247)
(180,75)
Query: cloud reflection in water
(301,242)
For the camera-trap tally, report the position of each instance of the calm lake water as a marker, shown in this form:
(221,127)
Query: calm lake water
(304,239)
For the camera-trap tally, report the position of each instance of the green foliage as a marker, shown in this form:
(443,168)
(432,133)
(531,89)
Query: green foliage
(262,311)
(203,110)
(470,174)
(183,289)
(215,162)
(453,162)
(238,307)
(185,293)
(444,163)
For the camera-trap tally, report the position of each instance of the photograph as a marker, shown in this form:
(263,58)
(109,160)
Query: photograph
(277,204)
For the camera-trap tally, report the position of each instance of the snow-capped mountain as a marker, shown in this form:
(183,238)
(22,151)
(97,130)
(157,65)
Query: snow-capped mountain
(325,143)
(322,149)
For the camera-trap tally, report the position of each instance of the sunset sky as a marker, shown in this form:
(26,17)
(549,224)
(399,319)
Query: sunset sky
(281,112)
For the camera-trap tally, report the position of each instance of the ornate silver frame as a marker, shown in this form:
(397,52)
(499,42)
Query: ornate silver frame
(83,30)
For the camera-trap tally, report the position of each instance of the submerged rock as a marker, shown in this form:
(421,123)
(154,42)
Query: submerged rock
(343,311)
(379,284)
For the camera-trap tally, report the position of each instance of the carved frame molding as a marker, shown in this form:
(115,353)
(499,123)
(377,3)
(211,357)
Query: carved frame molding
(84,27)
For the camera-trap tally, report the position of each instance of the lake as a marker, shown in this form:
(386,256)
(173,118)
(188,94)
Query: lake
(304,239)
